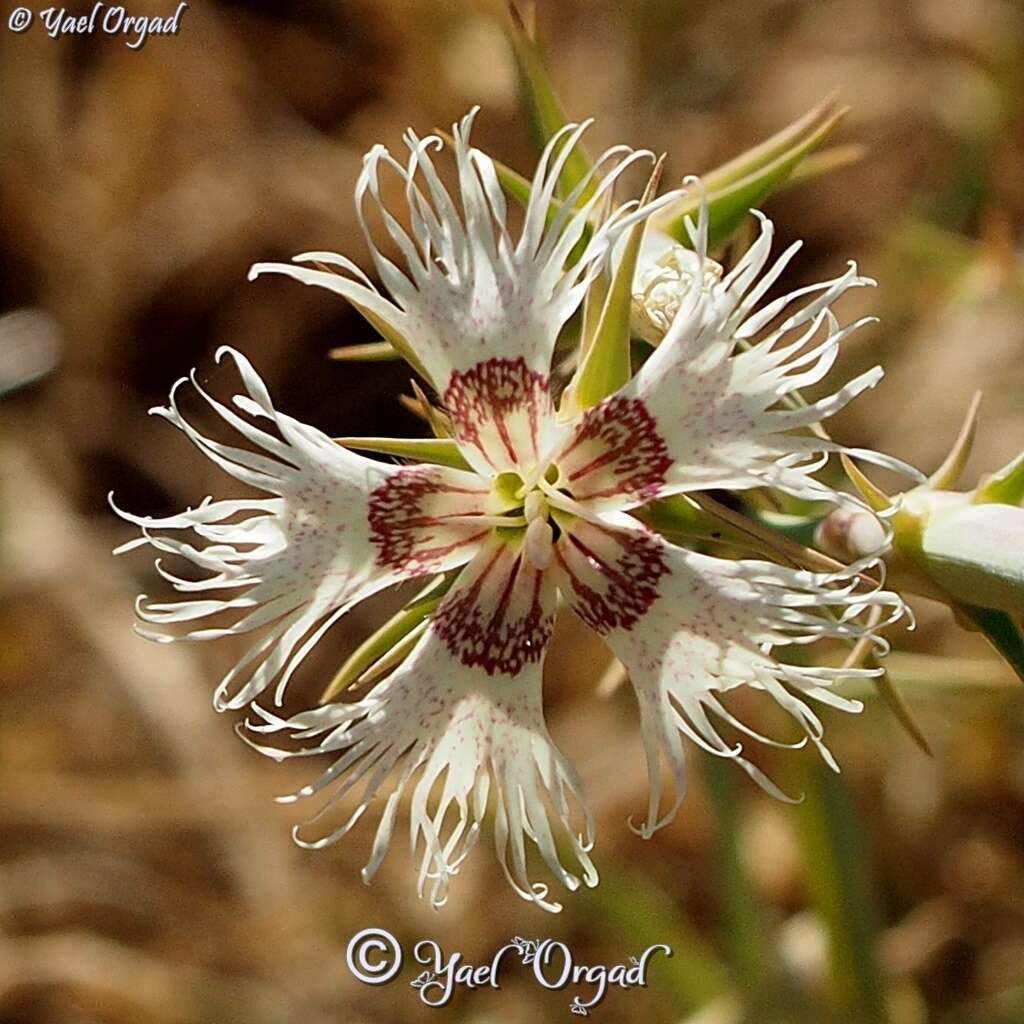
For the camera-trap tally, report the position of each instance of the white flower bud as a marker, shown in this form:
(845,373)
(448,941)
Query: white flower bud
(850,535)
(663,280)
(976,553)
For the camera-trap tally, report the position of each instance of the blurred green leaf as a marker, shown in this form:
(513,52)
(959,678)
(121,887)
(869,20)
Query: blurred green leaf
(635,911)
(749,954)
(835,859)
(546,110)
(737,186)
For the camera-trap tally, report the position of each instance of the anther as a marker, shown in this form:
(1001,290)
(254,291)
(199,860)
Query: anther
(538,545)
(536,506)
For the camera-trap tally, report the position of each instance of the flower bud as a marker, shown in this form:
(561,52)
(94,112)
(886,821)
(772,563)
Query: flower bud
(850,535)
(976,554)
(665,274)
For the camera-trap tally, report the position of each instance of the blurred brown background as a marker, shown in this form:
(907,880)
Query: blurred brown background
(145,874)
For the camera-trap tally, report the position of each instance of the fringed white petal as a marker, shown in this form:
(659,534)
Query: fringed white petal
(449,734)
(710,401)
(689,627)
(339,528)
(468,294)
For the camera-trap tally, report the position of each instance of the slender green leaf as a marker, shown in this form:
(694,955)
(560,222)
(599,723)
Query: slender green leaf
(546,110)
(440,451)
(730,198)
(606,363)
(380,642)
(371,352)
(816,165)
(776,146)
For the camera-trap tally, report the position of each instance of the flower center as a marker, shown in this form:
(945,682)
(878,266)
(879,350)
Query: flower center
(527,507)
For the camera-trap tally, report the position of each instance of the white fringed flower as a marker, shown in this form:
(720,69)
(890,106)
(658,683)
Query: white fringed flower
(541,510)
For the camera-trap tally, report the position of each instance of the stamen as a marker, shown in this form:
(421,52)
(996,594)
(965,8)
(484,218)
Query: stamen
(536,507)
(539,543)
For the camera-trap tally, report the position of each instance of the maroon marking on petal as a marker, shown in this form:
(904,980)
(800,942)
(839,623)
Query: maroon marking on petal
(406,535)
(491,394)
(497,624)
(628,571)
(618,445)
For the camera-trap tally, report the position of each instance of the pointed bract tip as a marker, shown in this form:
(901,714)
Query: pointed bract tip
(947,475)
(876,498)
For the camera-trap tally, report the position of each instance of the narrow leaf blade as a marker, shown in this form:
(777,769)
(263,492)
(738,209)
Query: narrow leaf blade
(371,352)
(729,201)
(439,451)
(606,365)
(546,109)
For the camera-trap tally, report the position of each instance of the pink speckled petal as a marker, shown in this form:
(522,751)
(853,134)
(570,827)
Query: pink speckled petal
(338,528)
(464,711)
(706,410)
(468,294)
(689,627)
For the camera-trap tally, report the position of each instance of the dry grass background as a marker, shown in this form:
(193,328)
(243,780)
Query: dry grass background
(145,874)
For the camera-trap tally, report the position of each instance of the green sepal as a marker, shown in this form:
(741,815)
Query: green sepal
(440,451)
(546,111)
(384,639)
(744,182)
